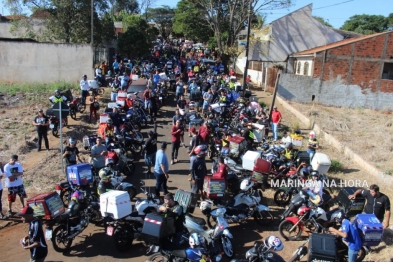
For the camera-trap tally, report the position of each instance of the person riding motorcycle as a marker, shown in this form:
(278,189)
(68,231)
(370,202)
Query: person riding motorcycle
(75,204)
(248,134)
(105,184)
(288,152)
(57,98)
(109,131)
(129,103)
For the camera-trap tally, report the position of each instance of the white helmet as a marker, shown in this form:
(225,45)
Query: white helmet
(205,205)
(246,184)
(129,96)
(274,242)
(195,240)
(312,134)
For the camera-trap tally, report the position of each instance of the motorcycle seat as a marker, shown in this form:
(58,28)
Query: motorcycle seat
(242,208)
(240,167)
(197,220)
(65,215)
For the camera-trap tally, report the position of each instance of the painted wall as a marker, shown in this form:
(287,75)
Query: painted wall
(44,62)
(333,92)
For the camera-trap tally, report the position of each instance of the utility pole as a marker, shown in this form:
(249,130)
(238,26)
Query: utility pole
(247,46)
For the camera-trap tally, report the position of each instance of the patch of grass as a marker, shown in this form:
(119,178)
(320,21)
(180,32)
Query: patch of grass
(295,126)
(262,104)
(15,88)
(336,167)
(388,172)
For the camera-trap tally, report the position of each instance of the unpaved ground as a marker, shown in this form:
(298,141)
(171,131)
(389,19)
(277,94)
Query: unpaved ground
(43,171)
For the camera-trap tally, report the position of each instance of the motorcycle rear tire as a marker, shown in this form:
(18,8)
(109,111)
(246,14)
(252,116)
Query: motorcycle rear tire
(60,232)
(279,197)
(55,131)
(122,238)
(286,224)
(73,114)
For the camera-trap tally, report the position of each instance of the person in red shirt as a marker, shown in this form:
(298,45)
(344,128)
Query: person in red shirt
(204,133)
(248,79)
(232,72)
(129,102)
(177,132)
(94,106)
(222,171)
(276,119)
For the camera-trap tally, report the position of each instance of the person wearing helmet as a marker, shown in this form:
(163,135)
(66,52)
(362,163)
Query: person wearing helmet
(198,170)
(71,153)
(351,234)
(248,135)
(315,186)
(109,131)
(84,84)
(313,145)
(105,184)
(129,103)
(98,153)
(171,208)
(57,98)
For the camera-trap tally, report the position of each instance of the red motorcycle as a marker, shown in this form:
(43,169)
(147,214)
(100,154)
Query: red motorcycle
(54,124)
(75,106)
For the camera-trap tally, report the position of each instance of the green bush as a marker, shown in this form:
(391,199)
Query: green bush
(262,104)
(336,166)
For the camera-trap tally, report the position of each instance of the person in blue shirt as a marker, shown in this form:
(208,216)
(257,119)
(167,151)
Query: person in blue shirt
(193,85)
(125,81)
(116,67)
(161,169)
(350,232)
(129,67)
(156,80)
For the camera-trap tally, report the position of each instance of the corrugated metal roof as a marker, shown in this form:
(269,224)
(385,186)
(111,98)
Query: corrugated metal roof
(337,44)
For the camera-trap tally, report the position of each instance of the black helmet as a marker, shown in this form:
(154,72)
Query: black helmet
(109,121)
(315,173)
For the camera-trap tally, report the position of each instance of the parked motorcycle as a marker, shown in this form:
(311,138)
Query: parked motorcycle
(125,230)
(54,124)
(76,106)
(242,207)
(218,238)
(189,254)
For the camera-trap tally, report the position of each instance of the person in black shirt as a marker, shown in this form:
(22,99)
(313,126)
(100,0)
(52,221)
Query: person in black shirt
(35,241)
(199,170)
(41,122)
(71,153)
(249,135)
(205,86)
(181,103)
(150,149)
(116,118)
(377,203)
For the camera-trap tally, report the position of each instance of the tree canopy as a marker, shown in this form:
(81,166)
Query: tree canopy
(322,20)
(163,17)
(367,24)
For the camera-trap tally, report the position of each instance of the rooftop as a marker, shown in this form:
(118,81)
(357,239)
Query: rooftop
(339,43)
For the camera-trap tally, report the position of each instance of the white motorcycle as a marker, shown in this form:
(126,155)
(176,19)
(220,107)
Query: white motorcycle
(126,229)
(243,206)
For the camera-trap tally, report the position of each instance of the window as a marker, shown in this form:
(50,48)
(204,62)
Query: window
(299,65)
(305,68)
(387,72)
(255,65)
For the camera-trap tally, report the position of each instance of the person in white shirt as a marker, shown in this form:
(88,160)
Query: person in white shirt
(285,139)
(13,181)
(2,216)
(84,88)
(315,186)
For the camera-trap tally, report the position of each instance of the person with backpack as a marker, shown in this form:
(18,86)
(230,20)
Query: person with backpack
(351,234)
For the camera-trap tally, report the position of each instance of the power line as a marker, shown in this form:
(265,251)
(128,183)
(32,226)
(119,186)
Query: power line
(333,5)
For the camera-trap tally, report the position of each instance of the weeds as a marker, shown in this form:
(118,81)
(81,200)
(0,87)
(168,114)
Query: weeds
(336,167)
(388,172)
(295,126)
(262,104)
(15,88)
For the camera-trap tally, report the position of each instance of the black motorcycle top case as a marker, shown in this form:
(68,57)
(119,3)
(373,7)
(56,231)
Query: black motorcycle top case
(247,94)
(322,247)
(156,227)
(352,207)
(302,156)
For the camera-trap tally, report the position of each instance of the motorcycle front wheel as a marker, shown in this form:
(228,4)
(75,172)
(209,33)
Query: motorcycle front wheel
(282,198)
(157,258)
(59,239)
(123,238)
(285,232)
(227,246)
(55,130)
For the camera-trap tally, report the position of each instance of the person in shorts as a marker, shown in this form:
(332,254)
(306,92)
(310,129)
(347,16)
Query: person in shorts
(147,97)
(13,181)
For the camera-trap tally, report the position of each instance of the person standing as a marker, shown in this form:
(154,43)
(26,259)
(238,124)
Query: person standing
(313,145)
(2,216)
(377,203)
(276,119)
(161,168)
(204,133)
(84,88)
(199,170)
(125,81)
(177,132)
(98,153)
(207,97)
(71,153)
(156,80)
(150,149)
(147,97)
(94,106)
(350,232)
(116,67)
(35,241)
(13,181)
(41,122)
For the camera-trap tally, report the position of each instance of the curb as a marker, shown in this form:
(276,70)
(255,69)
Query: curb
(355,158)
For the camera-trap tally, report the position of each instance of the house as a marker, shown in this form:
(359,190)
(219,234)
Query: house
(292,33)
(355,72)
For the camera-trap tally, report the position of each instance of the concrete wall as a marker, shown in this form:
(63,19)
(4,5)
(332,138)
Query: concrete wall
(44,62)
(295,32)
(333,92)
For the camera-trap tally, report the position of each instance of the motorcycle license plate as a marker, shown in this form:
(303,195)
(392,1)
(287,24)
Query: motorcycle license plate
(48,234)
(160,98)
(51,126)
(109,230)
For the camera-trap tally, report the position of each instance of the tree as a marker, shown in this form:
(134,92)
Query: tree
(189,23)
(322,20)
(366,24)
(390,21)
(163,17)
(129,6)
(145,6)
(133,43)
(232,15)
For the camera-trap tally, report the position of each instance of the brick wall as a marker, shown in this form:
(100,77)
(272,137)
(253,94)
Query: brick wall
(366,66)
